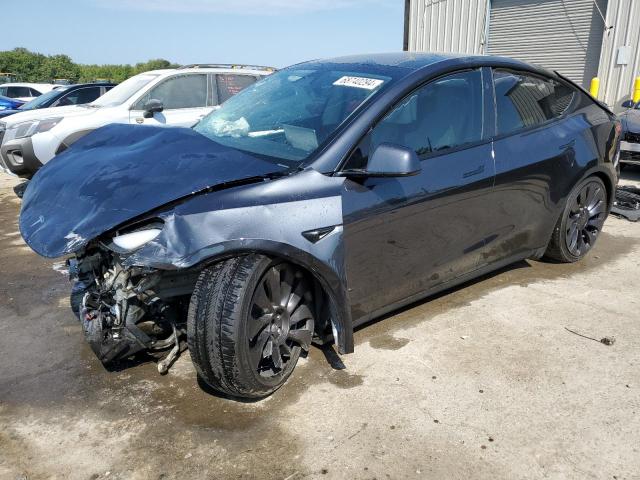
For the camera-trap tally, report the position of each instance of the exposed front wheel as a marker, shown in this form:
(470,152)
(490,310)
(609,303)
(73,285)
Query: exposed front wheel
(249,320)
(580,223)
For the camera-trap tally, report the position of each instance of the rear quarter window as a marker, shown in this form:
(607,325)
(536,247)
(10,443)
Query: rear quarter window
(524,101)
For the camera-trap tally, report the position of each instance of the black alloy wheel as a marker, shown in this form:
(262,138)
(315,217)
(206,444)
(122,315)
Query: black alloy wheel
(250,318)
(586,217)
(580,223)
(281,320)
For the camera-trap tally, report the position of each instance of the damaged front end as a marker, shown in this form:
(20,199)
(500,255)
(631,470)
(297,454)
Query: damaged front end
(125,310)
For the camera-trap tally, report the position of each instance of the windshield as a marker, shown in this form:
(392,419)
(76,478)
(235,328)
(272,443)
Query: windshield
(122,92)
(289,114)
(42,99)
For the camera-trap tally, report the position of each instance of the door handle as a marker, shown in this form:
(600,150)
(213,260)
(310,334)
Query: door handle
(471,173)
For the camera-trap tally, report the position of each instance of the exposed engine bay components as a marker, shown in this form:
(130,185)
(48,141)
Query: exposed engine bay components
(125,311)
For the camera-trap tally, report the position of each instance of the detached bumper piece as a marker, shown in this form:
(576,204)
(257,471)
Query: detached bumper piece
(627,203)
(20,188)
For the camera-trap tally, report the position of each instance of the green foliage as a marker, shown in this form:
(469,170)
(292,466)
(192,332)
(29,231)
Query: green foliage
(34,67)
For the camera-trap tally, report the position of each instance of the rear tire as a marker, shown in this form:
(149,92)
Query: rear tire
(580,223)
(249,320)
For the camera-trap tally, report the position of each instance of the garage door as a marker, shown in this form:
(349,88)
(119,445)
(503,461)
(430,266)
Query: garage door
(563,35)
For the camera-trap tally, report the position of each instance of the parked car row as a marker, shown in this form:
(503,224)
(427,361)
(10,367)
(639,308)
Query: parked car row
(78,94)
(311,202)
(26,91)
(172,97)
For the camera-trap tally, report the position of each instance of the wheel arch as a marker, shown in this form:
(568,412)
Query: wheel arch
(330,280)
(608,184)
(71,139)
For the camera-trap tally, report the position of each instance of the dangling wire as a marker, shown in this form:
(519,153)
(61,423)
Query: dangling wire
(604,20)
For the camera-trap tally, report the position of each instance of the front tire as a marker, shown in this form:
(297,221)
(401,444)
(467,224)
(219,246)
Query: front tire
(580,223)
(249,320)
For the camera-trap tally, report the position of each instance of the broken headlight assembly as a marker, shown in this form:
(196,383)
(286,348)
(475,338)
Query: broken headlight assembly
(133,237)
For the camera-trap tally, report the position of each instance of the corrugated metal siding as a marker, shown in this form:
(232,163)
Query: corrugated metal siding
(616,81)
(447,25)
(563,35)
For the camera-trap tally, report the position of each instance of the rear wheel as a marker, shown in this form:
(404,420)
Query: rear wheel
(581,221)
(249,320)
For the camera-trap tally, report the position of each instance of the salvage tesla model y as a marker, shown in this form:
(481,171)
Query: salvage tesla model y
(321,197)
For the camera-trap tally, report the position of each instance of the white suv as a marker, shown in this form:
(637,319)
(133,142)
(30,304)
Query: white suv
(176,97)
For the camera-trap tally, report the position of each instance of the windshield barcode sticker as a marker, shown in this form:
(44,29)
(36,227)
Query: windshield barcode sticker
(359,82)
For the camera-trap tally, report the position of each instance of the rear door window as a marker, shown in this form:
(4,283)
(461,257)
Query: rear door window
(16,92)
(524,101)
(228,85)
(183,91)
(80,96)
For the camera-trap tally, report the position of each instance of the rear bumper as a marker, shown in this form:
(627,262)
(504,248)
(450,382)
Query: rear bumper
(17,157)
(629,153)
(630,146)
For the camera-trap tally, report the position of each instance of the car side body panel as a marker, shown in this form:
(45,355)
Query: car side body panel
(374,244)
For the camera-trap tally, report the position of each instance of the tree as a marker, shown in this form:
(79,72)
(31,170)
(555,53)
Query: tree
(34,67)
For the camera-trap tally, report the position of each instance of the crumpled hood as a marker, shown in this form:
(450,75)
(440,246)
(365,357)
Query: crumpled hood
(119,172)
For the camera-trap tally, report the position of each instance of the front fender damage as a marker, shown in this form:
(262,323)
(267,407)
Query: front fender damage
(120,292)
(195,235)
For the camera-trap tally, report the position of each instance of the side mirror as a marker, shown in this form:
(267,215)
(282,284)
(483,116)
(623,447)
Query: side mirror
(389,160)
(151,107)
(627,104)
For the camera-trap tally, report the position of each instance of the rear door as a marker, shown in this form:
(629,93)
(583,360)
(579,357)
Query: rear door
(185,100)
(228,84)
(535,152)
(406,235)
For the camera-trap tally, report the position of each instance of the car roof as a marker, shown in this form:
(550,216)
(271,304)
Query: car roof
(398,64)
(89,84)
(214,68)
(27,84)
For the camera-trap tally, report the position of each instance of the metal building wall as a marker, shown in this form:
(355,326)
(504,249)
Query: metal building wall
(616,81)
(461,26)
(556,34)
(447,26)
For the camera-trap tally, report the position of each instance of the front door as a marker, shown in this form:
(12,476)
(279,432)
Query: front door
(184,98)
(407,235)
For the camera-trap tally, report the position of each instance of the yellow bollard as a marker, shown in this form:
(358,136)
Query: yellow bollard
(595,86)
(636,90)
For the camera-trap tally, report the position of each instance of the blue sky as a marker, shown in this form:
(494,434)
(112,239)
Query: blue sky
(268,32)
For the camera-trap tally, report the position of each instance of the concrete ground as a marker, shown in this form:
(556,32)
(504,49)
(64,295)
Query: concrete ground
(483,382)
